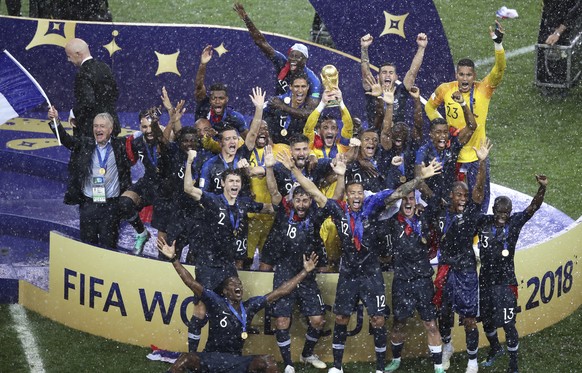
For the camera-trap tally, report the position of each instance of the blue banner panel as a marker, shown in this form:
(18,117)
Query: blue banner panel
(394,26)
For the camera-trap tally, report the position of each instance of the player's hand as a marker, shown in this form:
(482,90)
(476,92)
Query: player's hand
(242,163)
(542,180)
(376,88)
(258,97)
(414,92)
(388,94)
(309,263)
(270,160)
(397,161)
(285,158)
(191,155)
(484,148)
(206,55)
(339,164)
(240,10)
(457,96)
(433,168)
(422,40)
(53,113)
(177,112)
(497,33)
(163,247)
(366,41)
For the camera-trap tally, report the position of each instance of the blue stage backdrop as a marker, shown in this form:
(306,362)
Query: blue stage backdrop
(146,57)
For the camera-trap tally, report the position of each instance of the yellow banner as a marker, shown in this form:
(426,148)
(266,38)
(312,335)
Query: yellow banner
(142,301)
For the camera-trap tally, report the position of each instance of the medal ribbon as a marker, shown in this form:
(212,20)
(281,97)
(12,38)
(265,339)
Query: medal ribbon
(242,317)
(504,237)
(472,99)
(448,223)
(234,221)
(234,161)
(261,160)
(296,219)
(103,161)
(332,151)
(414,223)
(152,150)
(356,226)
(401,167)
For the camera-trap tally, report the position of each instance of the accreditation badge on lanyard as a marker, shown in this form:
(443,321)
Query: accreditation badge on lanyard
(98,188)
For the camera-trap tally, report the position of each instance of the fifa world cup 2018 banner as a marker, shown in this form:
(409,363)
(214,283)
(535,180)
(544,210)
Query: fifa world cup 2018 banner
(143,301)
(144,58)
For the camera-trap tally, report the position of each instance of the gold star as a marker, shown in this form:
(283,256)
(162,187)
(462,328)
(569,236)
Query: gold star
(167,63)
(56,26)
(221,50)
(112,47)
(394,24)
(43,35)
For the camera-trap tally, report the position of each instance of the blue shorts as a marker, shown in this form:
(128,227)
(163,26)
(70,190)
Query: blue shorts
(461,293)
(408,296)
(221,362)
(307,295)
(498,305)
(369,289)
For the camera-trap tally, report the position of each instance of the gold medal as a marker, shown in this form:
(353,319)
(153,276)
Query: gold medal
(402,179)
(102,171)
(424,241)
(244,335)
(505,252)
(443,237)
(283,132)
(234,232)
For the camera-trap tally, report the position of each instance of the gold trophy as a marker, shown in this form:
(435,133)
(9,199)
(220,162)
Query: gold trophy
(330,80)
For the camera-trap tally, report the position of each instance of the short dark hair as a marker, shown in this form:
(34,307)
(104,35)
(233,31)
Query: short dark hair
(232,171)
(298,75)
(226,128)
(437,121)
(502,200)
(325,117)
(466,62)
(300,190)
(297,138)
(185,131)
(219,87)
(143,114)
(387,63)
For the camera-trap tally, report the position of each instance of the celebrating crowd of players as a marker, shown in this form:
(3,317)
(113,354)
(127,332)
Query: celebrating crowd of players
(314,190)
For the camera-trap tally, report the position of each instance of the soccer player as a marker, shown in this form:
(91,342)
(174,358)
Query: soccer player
(293,236)
(477,95)
(360,276)
(412,287)
(327,144)
(387,76)
(210,178)
(285,67)
(230,318)
(456,281)
(445,148)
(213,106)
(364,170)
(498,234)
(226,244)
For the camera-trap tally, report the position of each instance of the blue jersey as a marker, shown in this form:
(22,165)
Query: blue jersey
(356,232)
(211,174)
(149,155)
(401,96)
(230,117)
(355,172)
(290,238)
(497,268)
(442,183)
(225,329)
(286,180)
(282,125)
(227,234)
(279,60)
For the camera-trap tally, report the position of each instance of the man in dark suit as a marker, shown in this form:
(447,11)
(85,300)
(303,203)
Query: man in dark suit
(95,89)
(98,174)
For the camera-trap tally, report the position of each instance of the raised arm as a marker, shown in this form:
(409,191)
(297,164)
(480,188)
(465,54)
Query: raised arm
(298,112)
(309,128)
(308,185)
(309,264)
(466,132)
(493,79)
(538,199)
(348,124)
(189,187)
(433,168)
(175,123)
(270,161)
(187,278)
(200,89)
(67,140)
(258,99)
(257,35)
(386,134)
(417,117)
(482,154)
(410,77)
(339,167)
(365,43)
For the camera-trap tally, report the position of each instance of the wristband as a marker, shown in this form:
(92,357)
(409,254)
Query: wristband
(174,258)
(365,60)
(463,103)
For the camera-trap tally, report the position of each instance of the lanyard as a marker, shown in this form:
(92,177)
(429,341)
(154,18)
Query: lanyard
(103,161)
(448,223)
(356,226)
(504,237)
(332,151)
(152,153)
(415,225)
(234,161)
(242,317)
(472,98)
(301,223)
(261,160)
